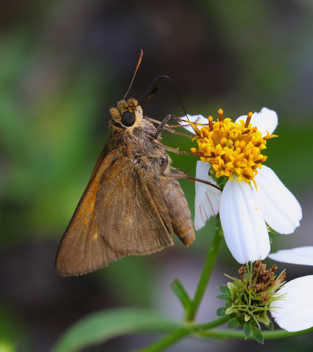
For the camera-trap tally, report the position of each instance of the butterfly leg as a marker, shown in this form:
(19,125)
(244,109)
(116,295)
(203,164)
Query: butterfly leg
(176,151)
(170,127)
(166,125)
(165,164)
(180,174)
(162,126)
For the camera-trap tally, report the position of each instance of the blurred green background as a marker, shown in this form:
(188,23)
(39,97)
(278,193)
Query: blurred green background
(63,64)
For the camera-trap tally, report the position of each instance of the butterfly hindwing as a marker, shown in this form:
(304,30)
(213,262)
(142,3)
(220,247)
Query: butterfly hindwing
(178,209)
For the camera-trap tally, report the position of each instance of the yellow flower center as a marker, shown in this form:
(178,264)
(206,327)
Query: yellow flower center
(231,148)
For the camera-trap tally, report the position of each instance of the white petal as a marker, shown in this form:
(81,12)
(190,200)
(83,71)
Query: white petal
(281,210)
(207,202)
(295,312)
(194,119)
(299,255)
(244,228)
(265,120)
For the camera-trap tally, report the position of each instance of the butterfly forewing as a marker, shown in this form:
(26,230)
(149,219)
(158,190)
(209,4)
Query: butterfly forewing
(130,212)
(81,249)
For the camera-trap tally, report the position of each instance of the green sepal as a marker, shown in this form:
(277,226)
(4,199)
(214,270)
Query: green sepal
(270,325)
(257,335)
(224,296)
(179,290)
(221,311)
(233,323)
(263,318)
(221,181)
(271,232)
(247,330)
(232,288)
(224,289)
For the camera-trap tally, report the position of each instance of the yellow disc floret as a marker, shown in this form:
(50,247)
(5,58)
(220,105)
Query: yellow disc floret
(231,148)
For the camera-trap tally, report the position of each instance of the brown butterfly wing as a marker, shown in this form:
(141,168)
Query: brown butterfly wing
(130,212)
(82,249)
(178,209)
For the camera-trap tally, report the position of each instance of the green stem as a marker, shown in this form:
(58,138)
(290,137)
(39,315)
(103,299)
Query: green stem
(167,341)
(206,272)
(238,334)
(205,330)
(178,334)
(210,325)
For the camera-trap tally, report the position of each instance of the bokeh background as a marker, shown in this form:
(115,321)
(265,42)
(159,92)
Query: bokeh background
(63,64)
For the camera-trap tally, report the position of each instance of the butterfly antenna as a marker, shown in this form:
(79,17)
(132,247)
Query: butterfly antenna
(144,98)
(138,64)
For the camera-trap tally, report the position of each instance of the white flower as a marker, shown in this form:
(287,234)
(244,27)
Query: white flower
(295,311)
(245,210)
(299,255)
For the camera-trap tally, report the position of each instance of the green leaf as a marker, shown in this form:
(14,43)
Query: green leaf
(102,326)
(257,334)
(247,330)
(233,323)
(181,293)
(221,311)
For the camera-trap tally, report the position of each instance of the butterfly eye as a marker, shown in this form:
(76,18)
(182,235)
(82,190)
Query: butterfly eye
(128,119)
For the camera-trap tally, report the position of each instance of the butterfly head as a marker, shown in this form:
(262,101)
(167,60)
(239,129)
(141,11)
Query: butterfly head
(127,114)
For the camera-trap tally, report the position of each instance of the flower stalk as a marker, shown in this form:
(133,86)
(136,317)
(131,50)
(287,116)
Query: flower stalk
(206,272)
